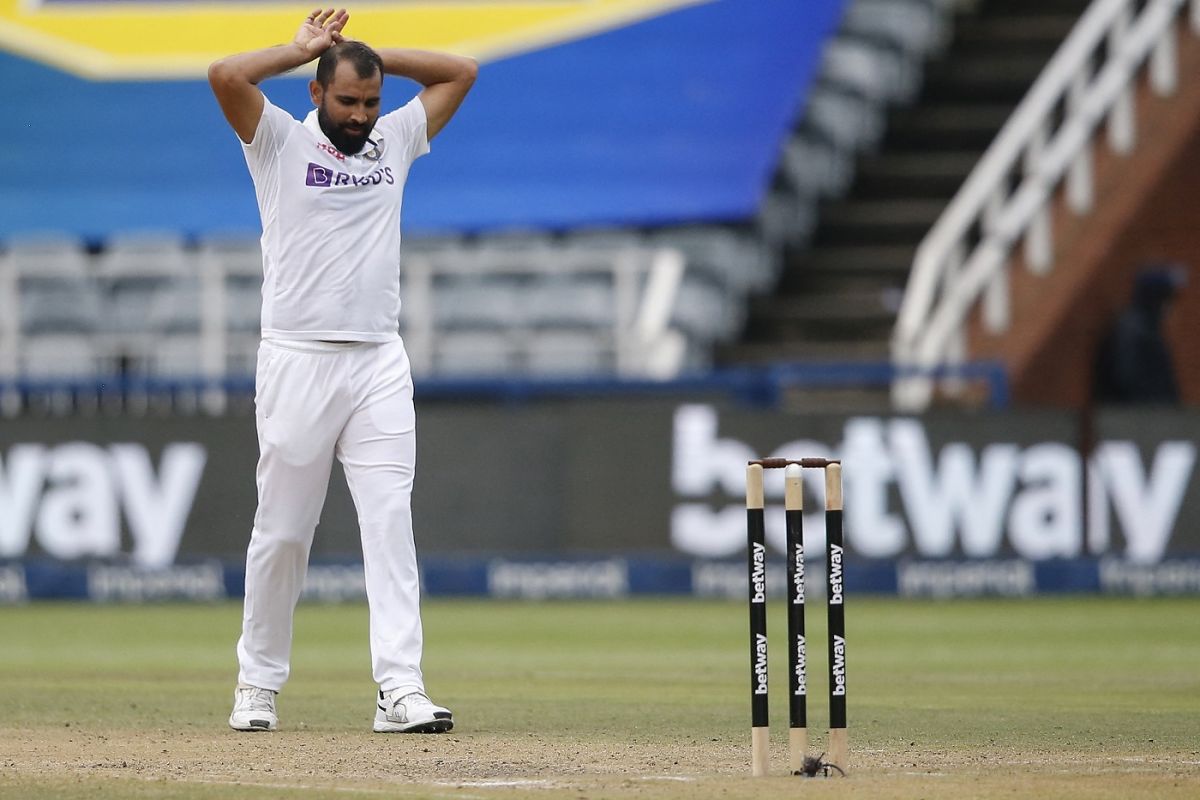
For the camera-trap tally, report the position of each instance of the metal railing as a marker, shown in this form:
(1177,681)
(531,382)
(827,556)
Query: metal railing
(964,259)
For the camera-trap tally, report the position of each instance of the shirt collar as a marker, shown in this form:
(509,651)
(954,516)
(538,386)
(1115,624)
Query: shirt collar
(313,125)
(373,144)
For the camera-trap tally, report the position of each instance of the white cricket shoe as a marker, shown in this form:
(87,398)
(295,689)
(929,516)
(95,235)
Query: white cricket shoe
(410,713)
(253,709)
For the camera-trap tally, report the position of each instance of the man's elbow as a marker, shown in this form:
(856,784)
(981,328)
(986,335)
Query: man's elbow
(469,70)
(219,73)
(226,72)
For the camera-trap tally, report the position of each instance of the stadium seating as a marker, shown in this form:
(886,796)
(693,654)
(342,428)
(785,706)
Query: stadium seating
(58,293)
(146,306)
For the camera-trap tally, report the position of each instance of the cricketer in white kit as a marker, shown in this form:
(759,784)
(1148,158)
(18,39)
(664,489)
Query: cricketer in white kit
(333,377)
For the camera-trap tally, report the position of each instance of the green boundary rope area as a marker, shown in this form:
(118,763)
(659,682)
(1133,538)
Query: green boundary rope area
(1047,697)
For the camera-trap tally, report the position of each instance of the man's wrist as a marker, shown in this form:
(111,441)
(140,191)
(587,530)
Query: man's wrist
(303,53)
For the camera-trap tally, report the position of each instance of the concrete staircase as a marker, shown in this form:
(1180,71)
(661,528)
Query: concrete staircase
(837,298)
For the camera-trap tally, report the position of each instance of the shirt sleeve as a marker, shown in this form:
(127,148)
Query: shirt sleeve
(408,124)
(274,126)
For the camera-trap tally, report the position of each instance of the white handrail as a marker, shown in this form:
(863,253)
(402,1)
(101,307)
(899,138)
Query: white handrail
(950,274)
(657,350)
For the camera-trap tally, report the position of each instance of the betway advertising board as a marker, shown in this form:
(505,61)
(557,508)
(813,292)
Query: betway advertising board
(610,497)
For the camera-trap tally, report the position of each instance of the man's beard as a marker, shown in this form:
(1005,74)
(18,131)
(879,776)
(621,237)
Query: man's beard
(344,140)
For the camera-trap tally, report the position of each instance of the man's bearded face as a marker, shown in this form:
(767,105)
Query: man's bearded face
(349,108)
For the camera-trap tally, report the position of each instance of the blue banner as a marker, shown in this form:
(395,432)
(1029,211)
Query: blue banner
(608,578)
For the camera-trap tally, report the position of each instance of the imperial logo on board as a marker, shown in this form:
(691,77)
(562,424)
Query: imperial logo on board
(12,585)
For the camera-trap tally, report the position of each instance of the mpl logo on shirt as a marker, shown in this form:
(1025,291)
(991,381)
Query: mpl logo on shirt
(69,498)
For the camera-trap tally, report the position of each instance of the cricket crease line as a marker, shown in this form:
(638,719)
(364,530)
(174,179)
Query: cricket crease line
(290,786)
(537,783)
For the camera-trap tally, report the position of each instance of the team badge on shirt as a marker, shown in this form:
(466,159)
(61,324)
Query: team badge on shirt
(375,151)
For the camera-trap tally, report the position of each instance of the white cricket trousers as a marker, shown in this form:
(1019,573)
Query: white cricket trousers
(315,400)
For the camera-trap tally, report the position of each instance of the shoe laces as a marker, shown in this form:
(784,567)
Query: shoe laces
(410,701)
(252,698)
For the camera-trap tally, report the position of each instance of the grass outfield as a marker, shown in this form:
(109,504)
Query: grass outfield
(1079,697)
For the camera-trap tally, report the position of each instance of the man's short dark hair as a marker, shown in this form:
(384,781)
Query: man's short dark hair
(365,60)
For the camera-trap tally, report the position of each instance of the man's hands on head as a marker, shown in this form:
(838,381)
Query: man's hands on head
(321,30)
(446,78)
(235,79)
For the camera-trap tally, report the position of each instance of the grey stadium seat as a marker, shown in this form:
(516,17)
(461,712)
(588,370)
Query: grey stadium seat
(134,270)
(569,352)
(584,300)
(176,357)
(473,301)
(56,290)
(703,311)
(473,353)
(58,356)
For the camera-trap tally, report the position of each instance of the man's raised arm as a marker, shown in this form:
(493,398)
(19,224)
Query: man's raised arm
(446,78)
(235,79)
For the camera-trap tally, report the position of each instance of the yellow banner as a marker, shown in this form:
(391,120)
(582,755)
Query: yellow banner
(155,40)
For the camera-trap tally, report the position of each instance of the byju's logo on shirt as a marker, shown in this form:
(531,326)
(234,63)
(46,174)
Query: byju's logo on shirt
(322,177)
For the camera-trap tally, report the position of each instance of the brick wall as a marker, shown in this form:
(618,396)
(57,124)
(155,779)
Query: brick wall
(1147,209)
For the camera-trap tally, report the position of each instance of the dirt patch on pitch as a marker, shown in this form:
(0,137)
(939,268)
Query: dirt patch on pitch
(308,758)
(466,765)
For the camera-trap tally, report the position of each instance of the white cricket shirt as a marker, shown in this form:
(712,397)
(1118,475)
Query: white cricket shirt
(331,225)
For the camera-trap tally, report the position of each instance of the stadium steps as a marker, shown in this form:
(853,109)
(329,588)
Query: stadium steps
(837,296)
(829,271)
(920,175)
(1030,31)
(818,318)
(944,127)
(878,221)
(992,77)
(758,353)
